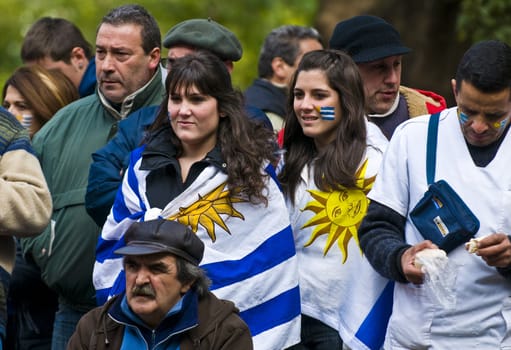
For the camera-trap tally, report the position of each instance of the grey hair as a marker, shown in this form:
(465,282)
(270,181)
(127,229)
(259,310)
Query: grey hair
(190,273)
(283,42)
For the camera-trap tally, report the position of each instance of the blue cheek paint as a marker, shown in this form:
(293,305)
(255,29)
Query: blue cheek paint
(326,112)
(463,118)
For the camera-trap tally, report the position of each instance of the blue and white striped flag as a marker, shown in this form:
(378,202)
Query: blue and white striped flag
(327,113)
(249,249)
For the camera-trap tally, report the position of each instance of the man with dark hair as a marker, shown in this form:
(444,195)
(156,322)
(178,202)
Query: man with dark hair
(109,162)
(376,47)
(282,49)
(56,43)
(129,77)
(471,156)
(167,302)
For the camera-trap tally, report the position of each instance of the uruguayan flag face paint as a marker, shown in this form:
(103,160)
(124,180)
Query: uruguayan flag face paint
(463,117)
(499,125)
(326,112)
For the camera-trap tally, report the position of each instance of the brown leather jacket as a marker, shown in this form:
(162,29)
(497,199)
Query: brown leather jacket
(219,327)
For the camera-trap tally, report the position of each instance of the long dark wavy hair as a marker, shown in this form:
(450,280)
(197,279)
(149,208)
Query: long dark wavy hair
(245,145)
(335,166)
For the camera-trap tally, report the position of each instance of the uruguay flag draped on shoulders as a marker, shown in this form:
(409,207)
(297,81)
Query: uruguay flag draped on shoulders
(249,250)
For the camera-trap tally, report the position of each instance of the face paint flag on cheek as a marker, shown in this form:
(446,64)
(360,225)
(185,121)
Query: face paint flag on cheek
(463,117)
(500,125)
(326,112)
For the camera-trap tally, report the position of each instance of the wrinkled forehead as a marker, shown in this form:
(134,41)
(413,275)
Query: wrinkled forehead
(127,35)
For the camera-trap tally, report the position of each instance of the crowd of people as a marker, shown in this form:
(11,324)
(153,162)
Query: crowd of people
(152,205)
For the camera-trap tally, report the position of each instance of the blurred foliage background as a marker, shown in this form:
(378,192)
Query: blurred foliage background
(439,31)
(250,20)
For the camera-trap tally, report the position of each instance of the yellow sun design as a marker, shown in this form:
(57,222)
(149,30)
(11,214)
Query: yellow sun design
(339,213)
(207,209)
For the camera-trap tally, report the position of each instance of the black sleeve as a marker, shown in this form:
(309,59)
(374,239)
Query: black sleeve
(381,236)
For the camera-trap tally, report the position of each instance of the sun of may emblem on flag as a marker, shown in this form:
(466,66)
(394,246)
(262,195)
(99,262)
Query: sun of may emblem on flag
(207,209)
(339,213)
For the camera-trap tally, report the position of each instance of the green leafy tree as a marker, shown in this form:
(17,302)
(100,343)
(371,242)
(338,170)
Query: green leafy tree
(485,19)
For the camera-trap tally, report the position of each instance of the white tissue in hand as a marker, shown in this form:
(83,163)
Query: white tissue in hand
(439,276)
(429,255)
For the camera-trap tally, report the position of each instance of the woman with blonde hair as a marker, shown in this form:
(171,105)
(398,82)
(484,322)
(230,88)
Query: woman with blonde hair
(34,94)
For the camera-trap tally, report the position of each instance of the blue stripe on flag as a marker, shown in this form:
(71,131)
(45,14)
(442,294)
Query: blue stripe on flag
(118,287)
(372,330)
(279,310)
(105,248)
(119,210)
(270,169)
(263,258)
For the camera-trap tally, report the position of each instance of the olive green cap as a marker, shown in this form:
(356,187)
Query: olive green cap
(205,34)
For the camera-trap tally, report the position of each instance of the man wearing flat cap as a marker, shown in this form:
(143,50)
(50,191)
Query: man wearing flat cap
(167,304)
(376,47)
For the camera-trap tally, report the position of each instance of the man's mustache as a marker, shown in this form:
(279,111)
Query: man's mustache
(144,290)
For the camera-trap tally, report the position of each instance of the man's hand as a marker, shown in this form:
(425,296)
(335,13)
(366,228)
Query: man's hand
(495,250)
(414,274)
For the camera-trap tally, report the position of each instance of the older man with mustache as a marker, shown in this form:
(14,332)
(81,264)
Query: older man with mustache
(128,44)
(167,304)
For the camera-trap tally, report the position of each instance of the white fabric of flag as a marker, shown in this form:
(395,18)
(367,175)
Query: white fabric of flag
(249,249)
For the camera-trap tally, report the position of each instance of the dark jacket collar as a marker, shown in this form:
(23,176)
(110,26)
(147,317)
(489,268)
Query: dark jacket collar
(174,323)
(268,97)
(160,152)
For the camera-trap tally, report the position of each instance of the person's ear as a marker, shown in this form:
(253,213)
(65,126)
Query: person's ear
(154,57)
(230,66)
(78,58)
(454,91)
(279,67)
(186,287)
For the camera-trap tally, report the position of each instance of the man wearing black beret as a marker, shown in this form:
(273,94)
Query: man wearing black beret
(376,47)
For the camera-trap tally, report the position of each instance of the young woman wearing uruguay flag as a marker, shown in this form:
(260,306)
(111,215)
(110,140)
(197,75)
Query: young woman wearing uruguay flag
(207,166)
(332,154)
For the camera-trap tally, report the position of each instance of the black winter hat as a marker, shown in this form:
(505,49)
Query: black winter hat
(367,38)
(162,236)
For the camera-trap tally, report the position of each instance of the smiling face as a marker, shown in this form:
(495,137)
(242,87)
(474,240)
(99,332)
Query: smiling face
(381,83)
(152,287)
(483,116)
(122,66)
(194,117)
(312,92)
